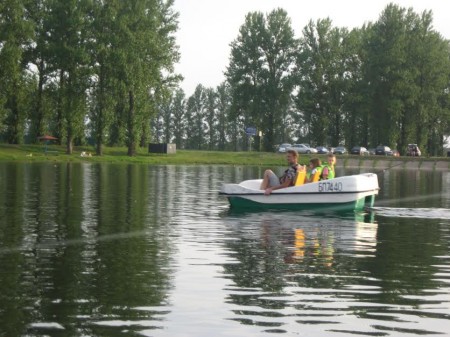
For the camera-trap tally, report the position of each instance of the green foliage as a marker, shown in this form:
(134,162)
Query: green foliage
(195,116)
(15,32)
(144,51)
(178,117)
(224,125)
(211,118)
(321,77)
(69,58)
(200,122)
(104,69)
(64,63)
(36,55)
(409,71)
(260,72)
(386,83)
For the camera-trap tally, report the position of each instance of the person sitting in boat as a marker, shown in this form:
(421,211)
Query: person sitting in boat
(271,182)
(328,171)
(314,171)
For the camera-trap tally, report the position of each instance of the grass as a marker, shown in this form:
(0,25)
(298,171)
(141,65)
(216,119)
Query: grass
(35,153)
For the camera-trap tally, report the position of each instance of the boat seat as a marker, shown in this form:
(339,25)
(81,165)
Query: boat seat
(316,176)
(300,178)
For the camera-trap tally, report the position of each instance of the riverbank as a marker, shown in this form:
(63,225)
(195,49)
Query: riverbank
(55,153)
(378,163)
(35,153)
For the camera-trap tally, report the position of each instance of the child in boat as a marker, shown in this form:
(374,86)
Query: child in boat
(314,171)
(328,171)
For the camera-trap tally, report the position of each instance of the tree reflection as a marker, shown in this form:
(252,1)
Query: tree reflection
(79,244)
(311,265)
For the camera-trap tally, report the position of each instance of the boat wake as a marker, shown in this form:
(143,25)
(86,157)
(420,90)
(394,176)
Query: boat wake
(428,213)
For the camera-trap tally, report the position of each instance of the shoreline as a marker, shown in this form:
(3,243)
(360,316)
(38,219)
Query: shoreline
(56,154)
(404,163)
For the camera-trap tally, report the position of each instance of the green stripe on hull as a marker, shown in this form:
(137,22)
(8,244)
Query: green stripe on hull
(358,205)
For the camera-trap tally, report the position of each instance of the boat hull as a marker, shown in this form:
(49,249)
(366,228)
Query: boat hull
(344,193)
(357,205)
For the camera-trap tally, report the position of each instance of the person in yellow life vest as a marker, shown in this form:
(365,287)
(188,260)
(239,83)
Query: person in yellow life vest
(328,170)
(314,171)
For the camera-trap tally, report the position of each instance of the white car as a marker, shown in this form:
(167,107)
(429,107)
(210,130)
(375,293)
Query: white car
(302,148)
(284,147)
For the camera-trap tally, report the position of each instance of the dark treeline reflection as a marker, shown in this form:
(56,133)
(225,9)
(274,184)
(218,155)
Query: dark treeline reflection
(81,240)
(413,188)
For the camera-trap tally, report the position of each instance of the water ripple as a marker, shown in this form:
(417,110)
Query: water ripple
(120,250)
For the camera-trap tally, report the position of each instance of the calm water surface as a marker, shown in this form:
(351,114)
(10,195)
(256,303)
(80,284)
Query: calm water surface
(136,250)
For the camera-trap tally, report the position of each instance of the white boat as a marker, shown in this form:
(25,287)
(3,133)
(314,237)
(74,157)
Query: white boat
(348,192)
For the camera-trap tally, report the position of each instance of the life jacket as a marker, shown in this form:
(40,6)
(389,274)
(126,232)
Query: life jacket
(331,173)
(316,176)
(300,178)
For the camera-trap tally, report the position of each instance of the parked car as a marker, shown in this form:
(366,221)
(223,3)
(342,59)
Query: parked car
(283,147)
(359,150)
(302,148)
(340,150)
(413,150)
(322,150)
(382,150)
(372,151)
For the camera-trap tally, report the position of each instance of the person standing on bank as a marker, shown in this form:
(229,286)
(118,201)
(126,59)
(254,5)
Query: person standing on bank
(271,182)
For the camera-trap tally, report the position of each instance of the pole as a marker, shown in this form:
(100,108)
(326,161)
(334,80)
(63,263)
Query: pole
(260,136)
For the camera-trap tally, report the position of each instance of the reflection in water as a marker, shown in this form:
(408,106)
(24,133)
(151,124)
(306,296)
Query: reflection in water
(82,248)
(120,250)
(296,270)
(413,188)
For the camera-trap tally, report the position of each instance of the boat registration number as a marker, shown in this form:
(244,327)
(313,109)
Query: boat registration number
(329,186)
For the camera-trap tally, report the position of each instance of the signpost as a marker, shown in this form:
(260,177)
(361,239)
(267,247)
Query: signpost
(250,131)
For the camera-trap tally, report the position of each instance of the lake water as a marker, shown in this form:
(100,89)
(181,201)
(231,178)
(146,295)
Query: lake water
(137,250)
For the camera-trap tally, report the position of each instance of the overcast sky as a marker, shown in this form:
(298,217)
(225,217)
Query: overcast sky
(207,27)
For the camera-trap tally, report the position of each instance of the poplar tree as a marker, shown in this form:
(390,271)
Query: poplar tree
(179,122)
(36,57)
(70,61)
(144,54)
(103,88)
(320,75)
(224,125)
(409,74)
(429,116)
(356,109)
(260,72)
(211,117)
(391,78)
(15,32)
(195,116)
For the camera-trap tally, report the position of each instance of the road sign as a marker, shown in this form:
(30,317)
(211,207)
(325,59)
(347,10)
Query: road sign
(250,131)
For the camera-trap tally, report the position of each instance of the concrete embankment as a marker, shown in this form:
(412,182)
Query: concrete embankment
(382,164)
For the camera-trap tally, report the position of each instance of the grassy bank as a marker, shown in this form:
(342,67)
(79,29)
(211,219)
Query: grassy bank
(35,153)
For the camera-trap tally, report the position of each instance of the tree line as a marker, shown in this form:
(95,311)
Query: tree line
(385,83)
(85,69)
(102,72)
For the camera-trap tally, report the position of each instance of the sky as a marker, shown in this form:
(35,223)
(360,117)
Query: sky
(207,27)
